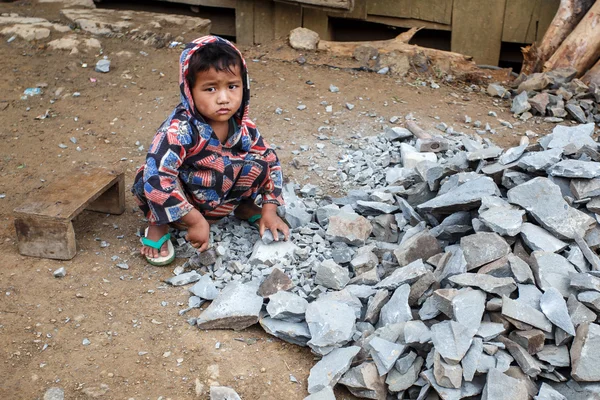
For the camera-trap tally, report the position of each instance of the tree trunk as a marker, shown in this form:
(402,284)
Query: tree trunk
(569,13)
(593,75)
(581,49)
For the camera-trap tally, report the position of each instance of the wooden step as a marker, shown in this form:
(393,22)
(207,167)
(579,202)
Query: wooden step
(44,223)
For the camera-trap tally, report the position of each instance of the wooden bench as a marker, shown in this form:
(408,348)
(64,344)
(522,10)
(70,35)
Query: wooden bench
(44,223)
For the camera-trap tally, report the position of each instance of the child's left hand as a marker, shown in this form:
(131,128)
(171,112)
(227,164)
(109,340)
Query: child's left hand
(271,221)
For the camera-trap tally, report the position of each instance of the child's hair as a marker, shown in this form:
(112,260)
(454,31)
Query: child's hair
(219,56)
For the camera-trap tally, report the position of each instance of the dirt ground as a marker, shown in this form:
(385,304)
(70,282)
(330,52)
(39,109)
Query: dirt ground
(140,347)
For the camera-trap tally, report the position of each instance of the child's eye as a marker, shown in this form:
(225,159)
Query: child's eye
(233,86)
(210,89)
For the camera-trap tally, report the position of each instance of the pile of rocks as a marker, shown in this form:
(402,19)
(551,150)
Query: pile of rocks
(555,95)
(467,272)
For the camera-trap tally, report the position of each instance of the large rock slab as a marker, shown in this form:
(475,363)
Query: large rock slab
(483,248)
(331,324)
(522,312)
(537,238)
(553,305)
(462,198)
(397,309)
(364,381)
(205,288)
(275,282)
(408,274)
(499,386)
(331,275)
(575,169)
(287,306)
(543,200)
(236,307)
(487,283)
(349,228)
(552,271)
(384,353)
(292,332)
(539,160)
(272,253)
(420,246)
(573,137)
(452,340)
(584,353)
(329,370)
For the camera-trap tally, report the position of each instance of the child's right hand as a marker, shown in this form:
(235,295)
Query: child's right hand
(198,233)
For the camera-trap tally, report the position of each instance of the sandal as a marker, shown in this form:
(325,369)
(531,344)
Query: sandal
(160,260)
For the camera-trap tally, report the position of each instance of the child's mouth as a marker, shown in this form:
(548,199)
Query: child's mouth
(223,111)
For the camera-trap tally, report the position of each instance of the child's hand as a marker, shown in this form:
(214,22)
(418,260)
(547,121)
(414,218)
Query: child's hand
(271,221)
(198,233)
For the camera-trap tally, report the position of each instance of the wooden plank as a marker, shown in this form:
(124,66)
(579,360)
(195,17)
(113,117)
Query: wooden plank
(112,201)
(408,23)
(341,4)
(316,20)
(287,17)
(527,21)
(244,22)
(359,11)
(477,29)
(37,237)
(264,21)
(439,11)
(64,199)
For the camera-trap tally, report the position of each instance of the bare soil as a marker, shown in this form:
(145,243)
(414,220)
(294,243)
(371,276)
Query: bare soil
(139,346)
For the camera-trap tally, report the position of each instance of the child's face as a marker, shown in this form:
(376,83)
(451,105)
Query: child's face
(218,94)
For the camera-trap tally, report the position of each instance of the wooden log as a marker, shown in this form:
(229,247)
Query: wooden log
(592,77)
(569,14)
(347,48)
(581,48)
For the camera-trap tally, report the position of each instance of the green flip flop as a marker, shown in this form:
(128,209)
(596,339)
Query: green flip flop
(160,260)
(253,220)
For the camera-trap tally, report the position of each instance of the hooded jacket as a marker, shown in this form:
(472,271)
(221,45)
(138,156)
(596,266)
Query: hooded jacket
(187,166)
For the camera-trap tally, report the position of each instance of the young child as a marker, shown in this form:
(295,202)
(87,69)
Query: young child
(208,159)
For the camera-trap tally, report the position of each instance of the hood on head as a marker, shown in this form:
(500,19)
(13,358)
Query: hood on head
(186,92)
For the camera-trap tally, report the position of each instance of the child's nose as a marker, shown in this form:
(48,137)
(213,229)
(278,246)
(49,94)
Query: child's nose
(223,97)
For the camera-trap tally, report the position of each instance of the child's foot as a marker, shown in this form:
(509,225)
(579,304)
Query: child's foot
(247,209)
(155,232)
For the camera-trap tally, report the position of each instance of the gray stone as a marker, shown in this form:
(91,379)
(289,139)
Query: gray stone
(363,292)
(520,104)
(452,264)
(54,393)
(469,389)
(526,362)
(511,179)
(544,201)
(331,324)
(399,381)
(579,313)
(401,176)
(397,309)
(223,393)
(468,306)
(496,90)
(484,154)
(296,215)
(184,279)
(349,228)
(575,169)
(271,254)
(500,386)
(489,330)
(364,381)
(375,304)
(275,282)
(385,228)
(397,133)
(452,340)
(576,112)
(502,220)
(471,359)
(540,102)
(60,272)
(446,375)
(572,136)
(405,362)
(520,269)
(462,198)
(537,238)
(531,340)
(590,299)
(374,208)
(407,274)
(584,353)
(520,311)
(416,332)
(329,370)
(534,82)
(236,307)
(364,260)
(303,39)
(557,356)
(287,306)
(292,332)
(102,66)
(384,353)
(552,270)
(539,160)
(205,288)
(420,246)
(583,188)
(324,213)
(547,393)
(267,237)
(331,275)
(482,248)
(344,296)
(555,308)
(324,394)
(487,283)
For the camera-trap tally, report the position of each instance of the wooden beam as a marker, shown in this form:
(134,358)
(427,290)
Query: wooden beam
(264,21)
(408,23)
(477,29)
(341,4)
(527,21)
(316,20)
(439,11)
(287,17)
(244,22)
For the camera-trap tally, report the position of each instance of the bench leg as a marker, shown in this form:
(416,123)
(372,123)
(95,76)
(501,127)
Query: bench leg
(45,238)
(112,201)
